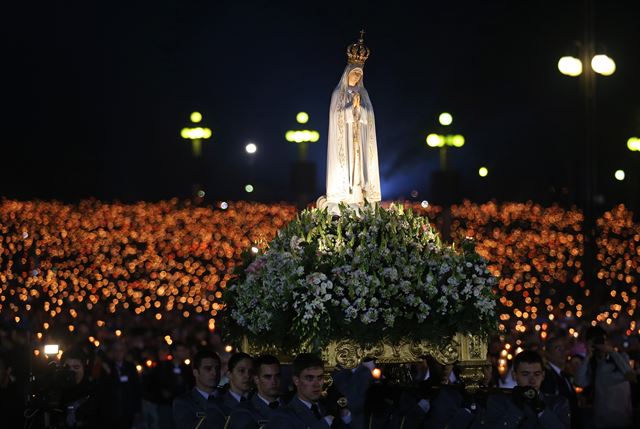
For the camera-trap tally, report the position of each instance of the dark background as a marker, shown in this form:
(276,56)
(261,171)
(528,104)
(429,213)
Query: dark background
(96,93)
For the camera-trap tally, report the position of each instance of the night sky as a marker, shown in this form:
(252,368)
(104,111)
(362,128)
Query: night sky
(96,93)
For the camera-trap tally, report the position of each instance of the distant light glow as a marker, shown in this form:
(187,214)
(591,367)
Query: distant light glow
(302,136)
(195,133)
(634,144)
(248,188)
(424,204)
(201,193)
(196,117)
(603,65)
(51,349)
(224,205)
(619,175)
(570,66)
(434,140)
(254,249)
(457,140)
(228,348)
(483,171)
(251,148)
(445,118)
(302,117)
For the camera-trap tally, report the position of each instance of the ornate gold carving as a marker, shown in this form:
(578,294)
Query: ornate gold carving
(468,351)
(357,53)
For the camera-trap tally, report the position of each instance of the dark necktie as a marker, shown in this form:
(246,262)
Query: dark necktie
(211,398)
(273,405)
(567,380)
(243,398)
(316,411)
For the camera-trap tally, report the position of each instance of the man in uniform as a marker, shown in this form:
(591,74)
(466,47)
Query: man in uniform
(256,412)
(304,411)
(526,407)
(199,407)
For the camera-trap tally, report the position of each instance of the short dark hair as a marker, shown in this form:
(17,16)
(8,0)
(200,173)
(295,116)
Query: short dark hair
(555,337)
(595,332)
(264,360)
(236,358)
(527,356)
(75,353)
(304,361)
(205,354)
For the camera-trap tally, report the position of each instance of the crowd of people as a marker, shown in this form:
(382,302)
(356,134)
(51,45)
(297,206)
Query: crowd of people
(560,384)
(142,283)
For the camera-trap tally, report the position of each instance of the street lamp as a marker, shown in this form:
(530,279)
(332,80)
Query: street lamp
(196,133)
(619,175)
(633,144)
(483,171)
(251,148)
(302,137)
(443,141)
(303,172)
(601,64)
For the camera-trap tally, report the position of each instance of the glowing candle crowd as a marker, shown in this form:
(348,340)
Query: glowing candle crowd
(111,265)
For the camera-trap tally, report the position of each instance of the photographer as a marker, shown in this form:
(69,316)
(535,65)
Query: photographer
(525,407)
(79,404)
(607,374)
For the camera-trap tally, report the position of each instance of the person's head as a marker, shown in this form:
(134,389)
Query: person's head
(574,362)
(118,351)
(180,352)
(266,376)
(5,370)
(528,370)
(75,360)
(596,339)
(239,371)
(556,350)
(206,370)
(308,376)
(354,76)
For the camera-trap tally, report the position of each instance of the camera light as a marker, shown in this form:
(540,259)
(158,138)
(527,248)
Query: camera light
(51,349)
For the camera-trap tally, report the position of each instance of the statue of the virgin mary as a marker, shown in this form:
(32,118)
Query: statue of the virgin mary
(353,176)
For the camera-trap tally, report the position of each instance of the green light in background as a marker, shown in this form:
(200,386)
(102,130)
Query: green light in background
(196,117)
(302,117)
(445,118)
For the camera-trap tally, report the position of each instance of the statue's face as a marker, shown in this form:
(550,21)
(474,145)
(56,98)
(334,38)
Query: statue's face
(354,76)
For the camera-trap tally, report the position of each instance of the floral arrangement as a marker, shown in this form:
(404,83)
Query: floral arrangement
(368,275)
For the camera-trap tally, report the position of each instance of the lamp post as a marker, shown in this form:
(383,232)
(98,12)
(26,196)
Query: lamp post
(444,141)
(445,187)
(196,134)
(303,172)
(586,66)
(302,137)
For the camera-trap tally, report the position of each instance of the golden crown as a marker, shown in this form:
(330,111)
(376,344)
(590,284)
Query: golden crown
(357,53)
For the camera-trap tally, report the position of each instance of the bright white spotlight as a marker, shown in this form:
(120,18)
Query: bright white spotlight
(251,148)
(603,65)
(51,349)
(619,175)
(570,66)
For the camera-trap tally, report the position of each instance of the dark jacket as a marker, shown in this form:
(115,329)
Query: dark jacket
(191,410)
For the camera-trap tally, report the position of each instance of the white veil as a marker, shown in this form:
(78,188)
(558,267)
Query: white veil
(338,166)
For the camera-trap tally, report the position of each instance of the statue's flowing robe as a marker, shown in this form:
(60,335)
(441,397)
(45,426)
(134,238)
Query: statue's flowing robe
(352,151)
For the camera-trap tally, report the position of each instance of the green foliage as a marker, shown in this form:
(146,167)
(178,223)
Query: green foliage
(366,275)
